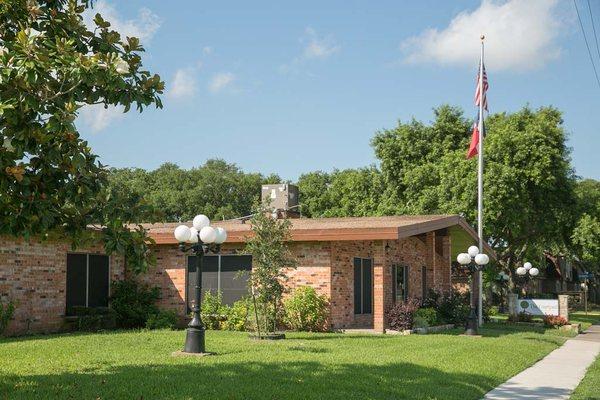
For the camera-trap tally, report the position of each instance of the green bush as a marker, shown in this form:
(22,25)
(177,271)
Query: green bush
(420,322)
(237,316)
(212,310)
(93,319)
(306,310)
(162,320)
(428,315)
(133,303)
(6,313)
(453,308)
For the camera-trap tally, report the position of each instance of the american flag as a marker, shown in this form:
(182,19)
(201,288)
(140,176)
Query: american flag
(485,88)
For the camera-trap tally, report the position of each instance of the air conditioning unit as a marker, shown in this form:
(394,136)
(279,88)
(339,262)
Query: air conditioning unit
(282,198)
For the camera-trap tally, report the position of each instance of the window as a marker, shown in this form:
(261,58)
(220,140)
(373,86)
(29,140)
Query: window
(87,281)
(400,283)
(225,273)
(363,286)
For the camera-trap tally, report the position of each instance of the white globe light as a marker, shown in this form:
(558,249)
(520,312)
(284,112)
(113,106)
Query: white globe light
(221,235)
(482,259)
(193,235)
(208,234)
(527,266)
(201,221)
(182,233)
(521,271)
(473,251)
(534,271)
(463,258)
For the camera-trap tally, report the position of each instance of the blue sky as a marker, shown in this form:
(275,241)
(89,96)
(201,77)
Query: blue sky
(295,87)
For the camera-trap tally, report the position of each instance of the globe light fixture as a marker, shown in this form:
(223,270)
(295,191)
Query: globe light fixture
(472,261)
(200,239)
(527,266)
(524,274)
(521,271)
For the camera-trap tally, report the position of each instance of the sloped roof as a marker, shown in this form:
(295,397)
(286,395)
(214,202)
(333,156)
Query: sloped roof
(333,229)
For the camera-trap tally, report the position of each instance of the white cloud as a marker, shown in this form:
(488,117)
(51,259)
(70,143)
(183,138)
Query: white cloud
(318,47)
(184,84)
(519,34)
(314,47)
(206,50)
(97,118)
(143,27)
(221,81)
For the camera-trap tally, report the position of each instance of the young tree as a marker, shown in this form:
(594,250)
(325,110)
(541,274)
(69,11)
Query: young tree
(270,259)
(52,65)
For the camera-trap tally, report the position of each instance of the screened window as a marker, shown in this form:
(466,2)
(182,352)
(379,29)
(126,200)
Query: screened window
(228,274)
(400,283)
(87,281)
(363,285)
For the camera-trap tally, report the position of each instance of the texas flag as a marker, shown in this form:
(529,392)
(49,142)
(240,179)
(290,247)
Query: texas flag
(482,83)
(474,146)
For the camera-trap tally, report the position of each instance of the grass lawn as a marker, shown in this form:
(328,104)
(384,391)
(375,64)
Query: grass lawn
(589,388)
(139,365)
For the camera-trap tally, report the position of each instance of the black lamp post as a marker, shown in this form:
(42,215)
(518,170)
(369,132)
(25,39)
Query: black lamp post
(200,239)
(472,261)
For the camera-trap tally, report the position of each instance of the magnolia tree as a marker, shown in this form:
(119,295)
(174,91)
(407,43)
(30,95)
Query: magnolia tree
(52,65)
(270,258)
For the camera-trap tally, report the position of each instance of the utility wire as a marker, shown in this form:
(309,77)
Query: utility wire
(586,42)
(594,28)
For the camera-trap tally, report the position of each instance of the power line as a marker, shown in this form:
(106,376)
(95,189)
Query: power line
(586,42)
(594,28)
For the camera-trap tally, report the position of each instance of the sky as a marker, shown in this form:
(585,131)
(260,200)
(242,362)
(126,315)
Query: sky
(292,87)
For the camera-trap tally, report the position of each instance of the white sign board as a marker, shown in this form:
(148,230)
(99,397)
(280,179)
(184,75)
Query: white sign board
(538,306)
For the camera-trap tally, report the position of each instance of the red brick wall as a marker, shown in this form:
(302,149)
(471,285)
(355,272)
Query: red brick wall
(33,274)
(326,266)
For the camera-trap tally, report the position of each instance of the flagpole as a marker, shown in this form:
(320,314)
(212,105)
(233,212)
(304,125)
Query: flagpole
(480,186)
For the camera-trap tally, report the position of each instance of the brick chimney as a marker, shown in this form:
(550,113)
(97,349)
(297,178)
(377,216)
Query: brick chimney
(282,198)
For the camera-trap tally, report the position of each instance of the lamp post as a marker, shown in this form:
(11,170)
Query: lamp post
(472,261)
(526,273)
(200,239)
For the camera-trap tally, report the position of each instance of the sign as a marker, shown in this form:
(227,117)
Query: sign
(585,275)
(538,306)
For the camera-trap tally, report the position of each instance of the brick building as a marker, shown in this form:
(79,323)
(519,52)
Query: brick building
(363,265)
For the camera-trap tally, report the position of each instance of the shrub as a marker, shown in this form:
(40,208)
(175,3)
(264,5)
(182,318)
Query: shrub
(94,319)
(428,315)
(6,313)
(212,310)
(420,322)
(162,320)
(521,317)
(306,310)
(133,303)
(401,316)
(454,308)
(237,316)
(555,321)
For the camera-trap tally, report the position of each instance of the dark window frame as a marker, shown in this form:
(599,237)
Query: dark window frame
(87,279)
(363,297)
(218,271)
(424,281)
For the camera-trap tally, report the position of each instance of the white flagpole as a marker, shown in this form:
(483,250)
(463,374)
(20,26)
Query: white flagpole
(480,187)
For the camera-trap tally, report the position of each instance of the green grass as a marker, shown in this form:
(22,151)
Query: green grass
(589,388)
(139,365)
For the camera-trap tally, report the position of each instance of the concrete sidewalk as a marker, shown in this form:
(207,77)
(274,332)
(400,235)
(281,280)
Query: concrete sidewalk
(557,374)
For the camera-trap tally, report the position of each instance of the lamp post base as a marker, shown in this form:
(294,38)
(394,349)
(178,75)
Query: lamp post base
(194,340)
(472,326)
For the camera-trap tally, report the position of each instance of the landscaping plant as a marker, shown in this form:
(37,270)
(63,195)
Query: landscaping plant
(555,321)
(401,315)
(133,302)
(270,259)
(428,315)
(212,310)
(6,313)
(237,315)
(162,320)
(306,310)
